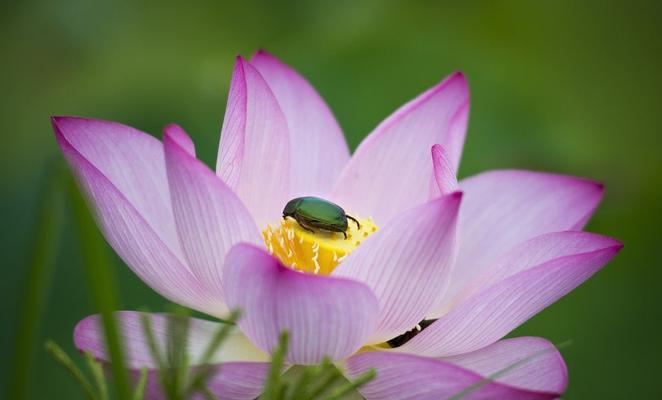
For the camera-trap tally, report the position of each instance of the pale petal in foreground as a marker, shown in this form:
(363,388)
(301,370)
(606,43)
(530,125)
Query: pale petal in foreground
(240,368)
(538,373)
(325,316)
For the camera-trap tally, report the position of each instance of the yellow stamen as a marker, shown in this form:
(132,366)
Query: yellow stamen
(317,253)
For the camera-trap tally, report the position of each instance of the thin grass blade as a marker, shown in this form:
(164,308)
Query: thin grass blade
(328,376)
(63,359)
(197,383)
(101,282)
(273,385)
(96,369)
(139,390)
(39,270)
(309,375)
(176,354)
(162,367)
(340,391)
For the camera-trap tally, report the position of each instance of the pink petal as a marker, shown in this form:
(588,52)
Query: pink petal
(177,134)
(131,160)
(407,264)
(89,336)
(496,310)
(232,381)
(407,376)
(317,145)
(534,252)
(241,368)
(210,218)
(532,363)
(254,154)
(122,172)
(444,179)
(502,209)
(390,171)
(325,316)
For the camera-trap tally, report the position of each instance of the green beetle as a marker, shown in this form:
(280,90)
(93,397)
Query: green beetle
(315,213)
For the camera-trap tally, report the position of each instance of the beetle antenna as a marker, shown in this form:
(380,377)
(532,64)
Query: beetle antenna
(355,220)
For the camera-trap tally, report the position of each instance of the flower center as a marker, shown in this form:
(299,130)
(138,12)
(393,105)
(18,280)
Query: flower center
(317,252)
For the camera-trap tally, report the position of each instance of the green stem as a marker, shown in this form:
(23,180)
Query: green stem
(302,385)
(206,369)
(349,387)
(139,391)
(38,281)
(176,353)
(97,373)
(219,337)
(61,357)
(325,382)
(272,388)
(101,282)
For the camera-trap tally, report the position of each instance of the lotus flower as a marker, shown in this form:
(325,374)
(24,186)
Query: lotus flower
(440,270)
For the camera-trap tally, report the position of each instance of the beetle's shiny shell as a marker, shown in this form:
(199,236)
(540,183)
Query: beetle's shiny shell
(314,212)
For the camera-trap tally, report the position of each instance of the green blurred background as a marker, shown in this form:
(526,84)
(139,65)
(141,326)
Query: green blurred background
(559,86)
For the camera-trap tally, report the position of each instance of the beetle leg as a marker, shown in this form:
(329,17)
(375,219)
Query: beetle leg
(304,226)
(345,233)
(355,220)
